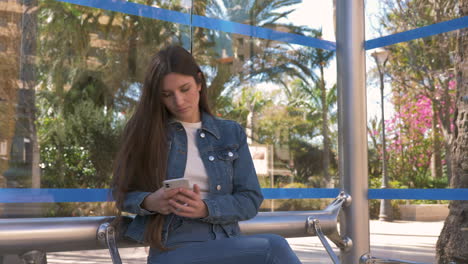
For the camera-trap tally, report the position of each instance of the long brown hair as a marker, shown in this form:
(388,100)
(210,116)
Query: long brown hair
(141,162)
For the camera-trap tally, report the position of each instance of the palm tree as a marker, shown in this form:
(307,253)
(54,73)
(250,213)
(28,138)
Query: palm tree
(321,99)
(321,59)
(232,69)
(320,112)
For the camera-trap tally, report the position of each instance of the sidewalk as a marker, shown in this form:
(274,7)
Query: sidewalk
(406,240)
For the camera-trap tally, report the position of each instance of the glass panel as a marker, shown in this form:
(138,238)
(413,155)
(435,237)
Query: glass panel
(267,87)
(418,80)
(415,84)
(70,76)
(293,16)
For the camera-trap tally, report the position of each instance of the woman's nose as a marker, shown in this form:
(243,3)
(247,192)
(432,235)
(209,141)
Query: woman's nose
(178,99)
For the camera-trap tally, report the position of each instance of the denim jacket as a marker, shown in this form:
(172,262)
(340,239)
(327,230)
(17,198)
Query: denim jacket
(234,192)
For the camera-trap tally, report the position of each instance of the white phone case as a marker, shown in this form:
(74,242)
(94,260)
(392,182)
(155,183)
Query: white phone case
(176,183)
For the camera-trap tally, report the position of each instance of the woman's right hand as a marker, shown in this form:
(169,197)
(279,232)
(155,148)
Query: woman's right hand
(158,201)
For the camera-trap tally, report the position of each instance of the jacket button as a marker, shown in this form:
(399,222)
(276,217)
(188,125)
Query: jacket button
(202,135)
(218,187)
(230,154)
(211,158)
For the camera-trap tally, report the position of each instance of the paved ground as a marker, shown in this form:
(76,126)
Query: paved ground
(408,240)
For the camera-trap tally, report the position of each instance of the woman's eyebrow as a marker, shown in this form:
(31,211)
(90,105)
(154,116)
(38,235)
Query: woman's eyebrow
(185,84)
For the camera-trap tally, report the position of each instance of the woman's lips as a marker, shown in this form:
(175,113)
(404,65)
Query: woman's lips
(182,110)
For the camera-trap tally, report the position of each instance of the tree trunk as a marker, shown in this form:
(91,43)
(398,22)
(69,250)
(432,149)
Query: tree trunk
(326,143)
(448,157)
(27,78)
(436,159)
(452,245)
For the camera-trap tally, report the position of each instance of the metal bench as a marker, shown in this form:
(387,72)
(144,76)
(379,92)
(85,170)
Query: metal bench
(32,238)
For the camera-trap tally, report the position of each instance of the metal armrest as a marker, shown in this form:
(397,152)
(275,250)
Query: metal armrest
(106,235)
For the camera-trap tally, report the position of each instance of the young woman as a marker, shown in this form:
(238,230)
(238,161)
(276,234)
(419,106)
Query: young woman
(172,134)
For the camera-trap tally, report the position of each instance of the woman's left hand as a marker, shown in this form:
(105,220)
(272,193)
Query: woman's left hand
(188,203)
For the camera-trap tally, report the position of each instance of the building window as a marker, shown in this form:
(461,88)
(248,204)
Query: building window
(101,35)
(3,148)
(27,151)
(3,21)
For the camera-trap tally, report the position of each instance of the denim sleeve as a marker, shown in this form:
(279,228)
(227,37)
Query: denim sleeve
(246,197)
(133,201)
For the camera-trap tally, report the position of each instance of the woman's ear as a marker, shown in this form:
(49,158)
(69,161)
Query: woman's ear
(200,76)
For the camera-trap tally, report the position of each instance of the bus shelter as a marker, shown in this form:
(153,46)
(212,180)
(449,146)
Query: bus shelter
(66,53)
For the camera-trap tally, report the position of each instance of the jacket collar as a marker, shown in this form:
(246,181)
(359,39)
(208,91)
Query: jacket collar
(208,124)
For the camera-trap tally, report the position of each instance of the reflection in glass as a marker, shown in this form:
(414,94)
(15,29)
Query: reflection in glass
(18,138)
(19,153)
(68,89)
(78,74)
(291,16)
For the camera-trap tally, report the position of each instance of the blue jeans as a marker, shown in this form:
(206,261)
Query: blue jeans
(253,249)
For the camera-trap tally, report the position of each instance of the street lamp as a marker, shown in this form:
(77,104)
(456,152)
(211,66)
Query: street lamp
(381,57)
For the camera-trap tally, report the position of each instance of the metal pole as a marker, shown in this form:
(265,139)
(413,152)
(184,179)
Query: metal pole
(272,174)
(352,108)
(385,205)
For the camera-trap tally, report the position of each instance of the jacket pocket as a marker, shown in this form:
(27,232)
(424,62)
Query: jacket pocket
(226,158)
(227,154)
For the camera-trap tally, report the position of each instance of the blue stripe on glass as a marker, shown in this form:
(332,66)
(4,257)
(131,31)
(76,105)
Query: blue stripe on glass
(203,22)
(54,195)
(259,32)
(393,194)
(419,194)
(103,195)
(135,9)
(299,193)
(421,32)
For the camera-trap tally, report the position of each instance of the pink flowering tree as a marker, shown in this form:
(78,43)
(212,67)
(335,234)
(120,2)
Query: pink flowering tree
(412,130)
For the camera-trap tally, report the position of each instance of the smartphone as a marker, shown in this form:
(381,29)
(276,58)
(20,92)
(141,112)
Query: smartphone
(176,183)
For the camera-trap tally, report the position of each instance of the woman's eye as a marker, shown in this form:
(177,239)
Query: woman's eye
(166,94)
(184,90)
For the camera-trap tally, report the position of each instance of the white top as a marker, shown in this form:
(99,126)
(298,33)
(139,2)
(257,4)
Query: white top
(195,170)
